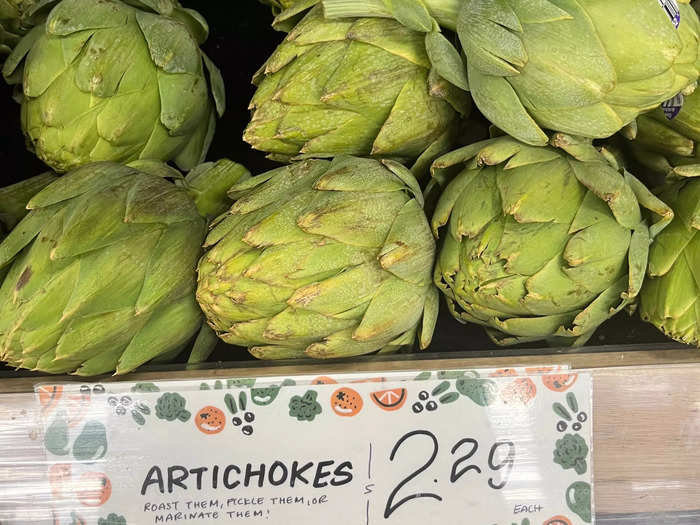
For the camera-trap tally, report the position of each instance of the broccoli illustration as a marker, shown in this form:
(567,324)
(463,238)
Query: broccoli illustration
(305,408)
(171,407)
(571,452)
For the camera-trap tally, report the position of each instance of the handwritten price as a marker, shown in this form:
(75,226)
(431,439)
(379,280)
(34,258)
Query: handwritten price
(460,467)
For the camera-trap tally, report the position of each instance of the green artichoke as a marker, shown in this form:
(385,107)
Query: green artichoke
(102,269)
(104,80)
(357,87)
(584,67)
(322,259)
(665,146)
(670,297)
(541,243)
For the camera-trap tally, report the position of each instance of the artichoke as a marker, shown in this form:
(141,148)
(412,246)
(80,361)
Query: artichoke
(584,67)
(357,87)
(322,259)
(106,80)
(670,297)
(665,141)
(541,243)
(102,269)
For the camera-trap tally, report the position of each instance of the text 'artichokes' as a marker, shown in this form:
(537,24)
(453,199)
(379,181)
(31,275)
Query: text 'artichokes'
(107,81)
(584,67)
(666,142)
(670,297)
(322,259)
(356,87)
(540,243)
(102,272)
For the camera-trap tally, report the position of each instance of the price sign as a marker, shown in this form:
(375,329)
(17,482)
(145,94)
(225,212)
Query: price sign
(491,447)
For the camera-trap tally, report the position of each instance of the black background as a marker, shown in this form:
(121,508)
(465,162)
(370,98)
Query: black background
(241,40)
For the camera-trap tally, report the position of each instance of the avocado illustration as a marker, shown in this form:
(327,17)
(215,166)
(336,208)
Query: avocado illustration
(482,391)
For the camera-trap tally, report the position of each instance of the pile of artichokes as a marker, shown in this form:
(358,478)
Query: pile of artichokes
(529,165)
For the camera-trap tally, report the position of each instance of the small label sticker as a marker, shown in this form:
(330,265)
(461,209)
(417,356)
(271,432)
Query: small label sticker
(672,10)
(672,107)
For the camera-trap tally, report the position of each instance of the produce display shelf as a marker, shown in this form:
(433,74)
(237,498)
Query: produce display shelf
(646,389)
(646,440)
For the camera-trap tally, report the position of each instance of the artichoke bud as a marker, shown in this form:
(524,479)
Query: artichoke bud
(671,292)
(541,243)
(585,69)
(107,80)
(322,259)
(102,270)
(358,87)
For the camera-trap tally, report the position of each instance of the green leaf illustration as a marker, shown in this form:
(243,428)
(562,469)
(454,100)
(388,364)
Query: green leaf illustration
(56,438)
(91,444)
(578,498)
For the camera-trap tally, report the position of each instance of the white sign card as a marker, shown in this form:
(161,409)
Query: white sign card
(482,447)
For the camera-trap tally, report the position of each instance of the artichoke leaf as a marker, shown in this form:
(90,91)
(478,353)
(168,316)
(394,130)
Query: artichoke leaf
(430,317)
(11,67)
(74,16)
(342,292)
(171,49)
(499,102)
(664,214)
(342,176)
(303,327)
(413,14)
(216,81)
(23,234)
(158,334)
(276,353)
(446,60)
(341,344)
(195,152)
(406,253)
(489,31)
